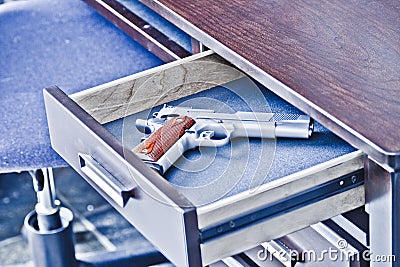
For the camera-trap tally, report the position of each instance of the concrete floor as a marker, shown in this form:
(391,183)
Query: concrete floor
(98,227)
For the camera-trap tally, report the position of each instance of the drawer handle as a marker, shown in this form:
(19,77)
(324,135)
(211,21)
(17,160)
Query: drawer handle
(105,180)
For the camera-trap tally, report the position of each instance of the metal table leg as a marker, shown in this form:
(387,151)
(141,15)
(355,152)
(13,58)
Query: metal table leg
(383,203)
(49,227)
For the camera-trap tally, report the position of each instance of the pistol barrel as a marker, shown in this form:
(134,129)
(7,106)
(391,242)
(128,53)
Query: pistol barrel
(301,127)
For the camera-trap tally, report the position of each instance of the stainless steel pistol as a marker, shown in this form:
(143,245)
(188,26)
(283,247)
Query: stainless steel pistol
(174,130)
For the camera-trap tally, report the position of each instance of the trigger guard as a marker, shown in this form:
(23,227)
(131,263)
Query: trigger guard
(206,135)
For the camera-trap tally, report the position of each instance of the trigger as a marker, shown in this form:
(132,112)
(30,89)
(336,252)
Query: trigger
(207,135)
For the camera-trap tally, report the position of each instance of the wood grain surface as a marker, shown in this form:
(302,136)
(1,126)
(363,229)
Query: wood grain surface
(153,87)
(343,56)
(161,140)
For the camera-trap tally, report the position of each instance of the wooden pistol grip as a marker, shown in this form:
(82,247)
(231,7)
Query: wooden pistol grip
(161,140)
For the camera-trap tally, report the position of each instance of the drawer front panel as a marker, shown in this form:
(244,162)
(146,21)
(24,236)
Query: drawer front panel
(158,217)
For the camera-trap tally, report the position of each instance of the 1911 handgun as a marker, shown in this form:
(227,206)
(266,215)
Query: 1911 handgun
(174,130)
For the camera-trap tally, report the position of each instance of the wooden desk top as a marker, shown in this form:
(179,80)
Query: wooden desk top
(337,60)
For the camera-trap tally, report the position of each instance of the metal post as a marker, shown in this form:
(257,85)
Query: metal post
(383,205)
(49,227)
(197,47)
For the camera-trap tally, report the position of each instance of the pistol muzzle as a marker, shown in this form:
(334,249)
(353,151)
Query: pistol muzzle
(302,127)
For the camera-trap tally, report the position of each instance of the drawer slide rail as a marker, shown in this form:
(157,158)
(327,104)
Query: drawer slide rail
(291,203)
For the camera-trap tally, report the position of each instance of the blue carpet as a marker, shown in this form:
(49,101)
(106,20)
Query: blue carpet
(44,43)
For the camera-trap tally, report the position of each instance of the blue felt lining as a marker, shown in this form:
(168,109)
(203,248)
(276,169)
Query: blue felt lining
(43,43)
(246,164)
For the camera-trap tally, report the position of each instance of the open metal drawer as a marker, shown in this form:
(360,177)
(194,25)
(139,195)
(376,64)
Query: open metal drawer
(245,193)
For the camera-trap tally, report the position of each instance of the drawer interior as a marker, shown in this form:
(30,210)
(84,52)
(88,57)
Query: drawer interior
(210,174)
